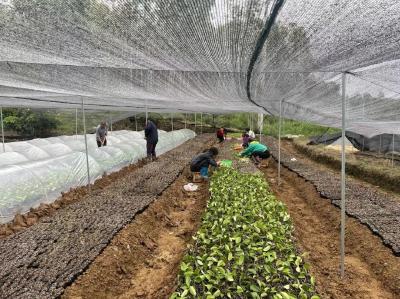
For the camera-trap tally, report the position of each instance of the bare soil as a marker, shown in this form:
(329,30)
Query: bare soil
(142,261)
(369,167)
(371,205)
(371,268)
(42,260)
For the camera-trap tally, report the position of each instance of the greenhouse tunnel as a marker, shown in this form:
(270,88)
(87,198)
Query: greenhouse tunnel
(36,171)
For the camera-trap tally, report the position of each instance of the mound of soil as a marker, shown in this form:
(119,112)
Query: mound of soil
(371,269)
(377,209)
(142,261)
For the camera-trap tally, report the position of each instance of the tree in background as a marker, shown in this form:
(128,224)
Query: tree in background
(30,123)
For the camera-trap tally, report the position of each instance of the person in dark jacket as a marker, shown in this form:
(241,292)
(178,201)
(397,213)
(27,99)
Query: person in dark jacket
(201,162)
(101,134)
(151,136)
(220,135)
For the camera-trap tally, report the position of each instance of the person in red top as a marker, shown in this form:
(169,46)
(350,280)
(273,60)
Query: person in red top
(220,135)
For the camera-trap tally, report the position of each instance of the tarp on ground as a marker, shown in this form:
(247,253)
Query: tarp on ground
(384,143)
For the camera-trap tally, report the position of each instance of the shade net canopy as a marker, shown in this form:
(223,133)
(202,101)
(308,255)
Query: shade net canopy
(213,56)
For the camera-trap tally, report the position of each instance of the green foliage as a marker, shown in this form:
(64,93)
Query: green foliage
(241,121)
(28,122)
(294,127)
(243,248)
(234,120)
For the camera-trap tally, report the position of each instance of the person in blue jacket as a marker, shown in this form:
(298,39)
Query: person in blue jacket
(151,136)
(201,162)
(256,151)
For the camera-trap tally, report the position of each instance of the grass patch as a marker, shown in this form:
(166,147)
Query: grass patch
(295,127)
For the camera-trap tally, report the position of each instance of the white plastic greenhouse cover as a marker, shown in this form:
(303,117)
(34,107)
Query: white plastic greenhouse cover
(27,180)
(209,55)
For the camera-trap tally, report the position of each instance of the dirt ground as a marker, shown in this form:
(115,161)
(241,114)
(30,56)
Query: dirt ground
(142,261)
(376,169)
(372,271)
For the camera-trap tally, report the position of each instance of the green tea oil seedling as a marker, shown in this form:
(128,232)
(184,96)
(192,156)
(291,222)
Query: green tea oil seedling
(244,247)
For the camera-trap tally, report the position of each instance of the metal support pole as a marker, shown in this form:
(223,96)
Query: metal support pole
(136,123)
(86,144)
(201,123)
(251,121)
(279,142)
(343,180)
(185,119)
(392,150)
(195,123)
(363,144)
(2,129)
(147,114)
(76,123)
(172,121)
(111,123)
(261,124)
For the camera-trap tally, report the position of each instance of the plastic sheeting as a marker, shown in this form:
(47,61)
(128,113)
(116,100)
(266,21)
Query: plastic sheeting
(209,55)
(384,143)
(26,180)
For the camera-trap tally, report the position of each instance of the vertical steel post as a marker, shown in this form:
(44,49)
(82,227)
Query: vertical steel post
(343,180)
(76,123)
(185,120)
(86,144)
(261,123)
(279,142)
(136,123)
(172,121)
(201,123)
(195,122)
(147,114)
(2,129)
(392,150)
(111,123)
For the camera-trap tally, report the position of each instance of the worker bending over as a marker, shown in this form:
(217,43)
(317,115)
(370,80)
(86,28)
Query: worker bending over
(201,162)
(257,152)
